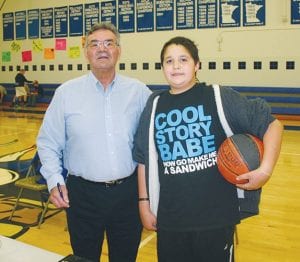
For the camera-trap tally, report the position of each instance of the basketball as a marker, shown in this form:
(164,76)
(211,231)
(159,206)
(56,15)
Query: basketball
(239,154)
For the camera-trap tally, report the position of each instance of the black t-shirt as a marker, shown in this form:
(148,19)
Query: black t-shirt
(188,133)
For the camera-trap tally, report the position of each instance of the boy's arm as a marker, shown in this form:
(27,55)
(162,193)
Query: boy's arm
(147,217)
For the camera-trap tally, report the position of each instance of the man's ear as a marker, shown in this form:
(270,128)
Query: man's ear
(85,52)
(119,47)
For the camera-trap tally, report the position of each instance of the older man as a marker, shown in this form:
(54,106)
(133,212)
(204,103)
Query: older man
(90,124)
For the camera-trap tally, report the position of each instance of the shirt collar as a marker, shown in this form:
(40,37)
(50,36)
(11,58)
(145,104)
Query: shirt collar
(98,85)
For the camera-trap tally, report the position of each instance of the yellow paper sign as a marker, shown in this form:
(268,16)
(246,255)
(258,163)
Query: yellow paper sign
(15,46)
(37,45)
(74,52)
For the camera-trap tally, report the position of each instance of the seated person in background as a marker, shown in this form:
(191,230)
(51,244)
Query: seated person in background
(33,93)
(3,92)
(38,89)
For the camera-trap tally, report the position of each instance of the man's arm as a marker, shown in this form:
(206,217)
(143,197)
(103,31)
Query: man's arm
(51,144)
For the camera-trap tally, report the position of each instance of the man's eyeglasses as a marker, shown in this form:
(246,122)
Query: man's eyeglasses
(108,44)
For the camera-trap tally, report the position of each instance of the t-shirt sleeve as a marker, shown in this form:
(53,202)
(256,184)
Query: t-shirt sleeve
(141,138)
(245,115)
(139,145)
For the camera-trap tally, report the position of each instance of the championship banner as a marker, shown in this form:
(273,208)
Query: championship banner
(207,13)
(91,16)
(230,13)
(8,26)
(295,11)
(145,15)
(254,12)
(126,16)
(46,23)
(61,21)
(33,18)
(164,15)
(76,20)
(20,25)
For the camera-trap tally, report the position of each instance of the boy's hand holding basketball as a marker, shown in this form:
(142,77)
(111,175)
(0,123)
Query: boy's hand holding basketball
(256,179)
(239,161)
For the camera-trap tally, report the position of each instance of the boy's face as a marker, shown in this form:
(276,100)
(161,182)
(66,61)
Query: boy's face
(179,68)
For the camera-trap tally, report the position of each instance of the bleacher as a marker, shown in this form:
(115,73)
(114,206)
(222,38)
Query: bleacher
(49,90)
(284,101)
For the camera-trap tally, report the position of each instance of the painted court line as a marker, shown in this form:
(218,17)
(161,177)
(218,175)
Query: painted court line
(291,154)
(147,240)
(10,142)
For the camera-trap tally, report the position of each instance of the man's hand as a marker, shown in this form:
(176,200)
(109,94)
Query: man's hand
(59,196)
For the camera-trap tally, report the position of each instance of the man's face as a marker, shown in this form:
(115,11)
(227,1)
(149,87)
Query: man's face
(102,50)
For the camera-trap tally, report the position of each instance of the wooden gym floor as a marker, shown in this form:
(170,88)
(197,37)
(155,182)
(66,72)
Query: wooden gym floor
(272,236)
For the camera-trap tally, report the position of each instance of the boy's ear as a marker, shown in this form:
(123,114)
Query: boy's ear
(197,66)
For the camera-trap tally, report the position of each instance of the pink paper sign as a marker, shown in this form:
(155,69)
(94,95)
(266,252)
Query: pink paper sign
(60,44)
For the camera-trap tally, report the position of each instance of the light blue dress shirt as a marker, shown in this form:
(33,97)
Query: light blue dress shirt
(91,129)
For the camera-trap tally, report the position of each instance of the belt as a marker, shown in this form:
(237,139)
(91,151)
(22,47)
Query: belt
(110,183)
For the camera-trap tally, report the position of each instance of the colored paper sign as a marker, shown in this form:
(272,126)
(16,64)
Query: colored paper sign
(15,46)
(6,56)
(74,52)
(26,56)
(49,53)
(37,45)
(83,38)
(60,44)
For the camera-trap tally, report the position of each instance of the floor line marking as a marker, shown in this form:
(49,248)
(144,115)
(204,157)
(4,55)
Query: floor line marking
(147,240)
(10,142)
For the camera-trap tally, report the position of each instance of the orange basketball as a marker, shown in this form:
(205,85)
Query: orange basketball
(238,155)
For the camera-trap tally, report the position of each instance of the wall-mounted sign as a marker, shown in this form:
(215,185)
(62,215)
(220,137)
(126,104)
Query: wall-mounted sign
(230,13)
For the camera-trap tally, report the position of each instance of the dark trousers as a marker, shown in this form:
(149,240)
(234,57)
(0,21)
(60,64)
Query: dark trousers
(196,246)
(95,209)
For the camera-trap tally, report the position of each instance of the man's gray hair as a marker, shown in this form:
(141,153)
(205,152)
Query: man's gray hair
(104,26)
